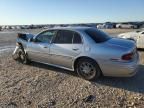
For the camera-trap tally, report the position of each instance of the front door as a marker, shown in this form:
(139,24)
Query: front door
(39,48)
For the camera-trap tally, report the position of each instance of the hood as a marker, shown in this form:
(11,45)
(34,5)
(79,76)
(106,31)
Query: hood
(25,36)
(29,35)
(123,43)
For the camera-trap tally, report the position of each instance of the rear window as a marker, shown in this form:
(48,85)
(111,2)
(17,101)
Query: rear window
(97,35)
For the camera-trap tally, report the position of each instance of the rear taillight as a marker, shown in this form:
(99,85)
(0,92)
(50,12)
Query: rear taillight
(127,56)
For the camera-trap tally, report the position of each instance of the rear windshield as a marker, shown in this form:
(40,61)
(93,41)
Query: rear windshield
(97,35)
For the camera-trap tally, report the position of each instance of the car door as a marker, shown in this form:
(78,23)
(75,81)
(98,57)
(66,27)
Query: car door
(39,48)
(140,40)
(65,48)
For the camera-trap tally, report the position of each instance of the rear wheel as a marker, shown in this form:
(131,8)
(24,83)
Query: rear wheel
(88,69)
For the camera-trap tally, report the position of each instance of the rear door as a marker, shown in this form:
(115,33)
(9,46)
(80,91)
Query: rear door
(65,47)
(39,48)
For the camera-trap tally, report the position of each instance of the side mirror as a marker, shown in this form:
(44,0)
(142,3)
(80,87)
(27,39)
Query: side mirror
(32,39)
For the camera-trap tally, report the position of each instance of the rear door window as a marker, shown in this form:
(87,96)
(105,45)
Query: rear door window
(77,38)
(64,37)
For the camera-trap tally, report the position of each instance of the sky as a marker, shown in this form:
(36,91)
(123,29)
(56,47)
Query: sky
(18,12)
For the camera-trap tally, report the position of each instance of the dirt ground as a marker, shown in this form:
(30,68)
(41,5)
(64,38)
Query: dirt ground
(42,86)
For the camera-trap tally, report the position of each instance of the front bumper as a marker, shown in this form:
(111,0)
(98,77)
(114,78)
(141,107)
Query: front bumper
(15,50)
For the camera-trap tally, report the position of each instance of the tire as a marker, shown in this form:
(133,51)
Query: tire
(88,69)
(21,56)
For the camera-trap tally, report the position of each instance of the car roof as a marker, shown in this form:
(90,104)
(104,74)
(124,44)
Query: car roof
(79,28)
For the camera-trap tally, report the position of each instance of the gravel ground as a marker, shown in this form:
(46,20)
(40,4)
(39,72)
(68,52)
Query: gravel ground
(41,86)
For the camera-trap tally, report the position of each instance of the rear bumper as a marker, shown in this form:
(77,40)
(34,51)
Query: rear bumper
(118,69)
(130,69)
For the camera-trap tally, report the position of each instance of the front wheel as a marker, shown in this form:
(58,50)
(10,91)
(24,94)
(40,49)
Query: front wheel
(88,69)
(20,55)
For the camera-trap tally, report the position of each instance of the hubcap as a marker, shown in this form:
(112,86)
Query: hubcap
(87,69)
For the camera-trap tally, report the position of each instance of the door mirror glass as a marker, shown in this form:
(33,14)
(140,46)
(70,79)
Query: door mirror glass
(32,39)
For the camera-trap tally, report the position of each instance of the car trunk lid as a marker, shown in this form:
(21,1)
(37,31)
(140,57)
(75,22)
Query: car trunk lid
(127,44)
(128,47)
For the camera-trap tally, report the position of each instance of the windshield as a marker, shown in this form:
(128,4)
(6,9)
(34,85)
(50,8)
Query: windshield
(97,35)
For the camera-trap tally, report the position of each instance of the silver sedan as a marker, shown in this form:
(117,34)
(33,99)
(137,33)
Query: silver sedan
(86,50)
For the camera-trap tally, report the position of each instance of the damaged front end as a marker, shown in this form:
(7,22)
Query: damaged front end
(21,43)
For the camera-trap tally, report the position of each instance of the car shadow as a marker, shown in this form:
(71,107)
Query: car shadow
(53,68)
(133,84)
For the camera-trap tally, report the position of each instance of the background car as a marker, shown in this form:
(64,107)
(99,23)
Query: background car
(137,36)
(126,26)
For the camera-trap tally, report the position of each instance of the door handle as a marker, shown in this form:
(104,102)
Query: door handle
(42,46)
(75,49)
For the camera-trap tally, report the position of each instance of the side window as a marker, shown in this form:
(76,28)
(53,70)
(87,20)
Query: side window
(45,37)
(64,37)
(77,39)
